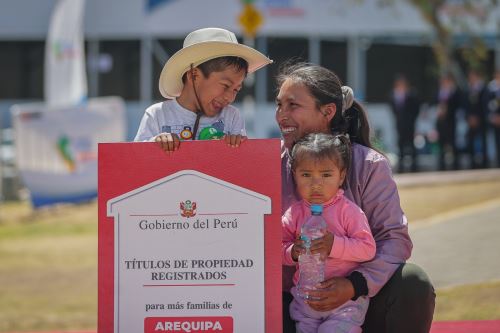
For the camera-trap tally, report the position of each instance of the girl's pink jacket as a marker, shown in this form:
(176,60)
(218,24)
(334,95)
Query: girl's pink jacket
(352,243)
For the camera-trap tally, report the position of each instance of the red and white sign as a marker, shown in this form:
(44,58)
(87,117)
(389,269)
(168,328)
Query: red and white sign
(189,241)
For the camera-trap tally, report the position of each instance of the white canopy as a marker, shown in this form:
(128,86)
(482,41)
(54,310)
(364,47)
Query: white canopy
(23,19)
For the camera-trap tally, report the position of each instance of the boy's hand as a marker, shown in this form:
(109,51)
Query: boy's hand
(168,141)
(234,140)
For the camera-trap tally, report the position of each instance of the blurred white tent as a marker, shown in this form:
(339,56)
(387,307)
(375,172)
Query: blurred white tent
(56,141)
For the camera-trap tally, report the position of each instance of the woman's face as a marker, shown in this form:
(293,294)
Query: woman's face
(297,114)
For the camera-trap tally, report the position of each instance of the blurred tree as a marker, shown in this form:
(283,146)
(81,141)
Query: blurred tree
(448,18)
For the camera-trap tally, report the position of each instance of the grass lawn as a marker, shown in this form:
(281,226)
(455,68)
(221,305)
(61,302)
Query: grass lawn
(471,302)
(423,202)
(48,271)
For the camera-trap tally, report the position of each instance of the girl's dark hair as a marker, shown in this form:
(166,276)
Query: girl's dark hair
(319,146)
(219,64)
(325,86)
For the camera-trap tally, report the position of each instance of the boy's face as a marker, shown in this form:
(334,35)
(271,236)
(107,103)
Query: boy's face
(219,89)
(318,180)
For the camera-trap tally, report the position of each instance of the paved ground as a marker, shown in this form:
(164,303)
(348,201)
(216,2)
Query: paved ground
(461,246)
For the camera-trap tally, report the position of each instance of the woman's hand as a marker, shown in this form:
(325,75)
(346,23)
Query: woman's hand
(168,141)
(330,294)
(234,140)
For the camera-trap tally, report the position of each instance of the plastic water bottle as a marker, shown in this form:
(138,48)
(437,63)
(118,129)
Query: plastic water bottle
(311,266)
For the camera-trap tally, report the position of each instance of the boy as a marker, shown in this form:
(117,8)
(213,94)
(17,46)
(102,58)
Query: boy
(200,81)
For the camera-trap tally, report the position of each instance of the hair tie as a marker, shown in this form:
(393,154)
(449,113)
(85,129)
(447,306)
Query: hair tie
(347,97)
(341,138)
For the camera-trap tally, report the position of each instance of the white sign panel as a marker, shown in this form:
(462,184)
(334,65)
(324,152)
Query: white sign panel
(188,248)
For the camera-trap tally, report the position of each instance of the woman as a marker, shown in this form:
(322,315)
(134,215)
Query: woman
(312,100)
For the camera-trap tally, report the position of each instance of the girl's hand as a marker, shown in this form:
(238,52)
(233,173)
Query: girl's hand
(297,249)
(322,245)
(168,141)
(234,140)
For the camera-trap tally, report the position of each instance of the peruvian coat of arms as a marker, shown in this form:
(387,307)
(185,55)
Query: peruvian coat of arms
(188,208)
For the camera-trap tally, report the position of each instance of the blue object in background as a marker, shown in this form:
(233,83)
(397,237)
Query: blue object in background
(151,5)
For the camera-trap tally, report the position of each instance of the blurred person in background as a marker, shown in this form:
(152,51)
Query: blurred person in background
(405,106)
(494,112)
(450,99)
(476,116)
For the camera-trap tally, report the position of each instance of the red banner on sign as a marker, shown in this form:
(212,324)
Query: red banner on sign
(180,182)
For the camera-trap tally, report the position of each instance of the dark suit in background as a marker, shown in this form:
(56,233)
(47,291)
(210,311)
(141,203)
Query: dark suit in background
(405,106)
(450,99)
(494,113)
(477,117)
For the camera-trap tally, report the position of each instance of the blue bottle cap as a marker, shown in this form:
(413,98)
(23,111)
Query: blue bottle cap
(316,209)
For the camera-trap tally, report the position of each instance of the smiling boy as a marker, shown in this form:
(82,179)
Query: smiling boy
(200,82)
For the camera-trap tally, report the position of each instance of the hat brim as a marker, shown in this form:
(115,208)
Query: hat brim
(171,76)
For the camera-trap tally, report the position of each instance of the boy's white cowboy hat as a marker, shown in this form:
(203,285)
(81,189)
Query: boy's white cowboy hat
(203,45)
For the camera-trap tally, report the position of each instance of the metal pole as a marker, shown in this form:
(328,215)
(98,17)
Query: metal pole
(356,66)
(314,50)
(146,70)
(261,75)
(249,100)
(93,56)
